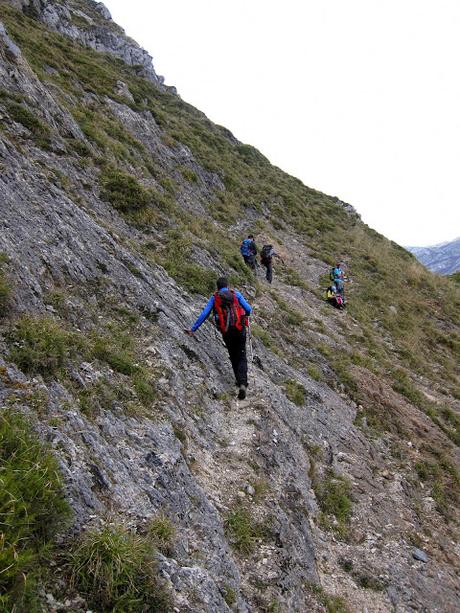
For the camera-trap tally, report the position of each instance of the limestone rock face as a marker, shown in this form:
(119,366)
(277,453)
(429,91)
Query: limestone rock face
(144,419)
(92,26)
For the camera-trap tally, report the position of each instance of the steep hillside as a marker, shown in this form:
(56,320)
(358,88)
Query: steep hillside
(132,478)
(443,258)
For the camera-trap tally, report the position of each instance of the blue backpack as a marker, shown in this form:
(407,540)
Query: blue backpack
(246,247)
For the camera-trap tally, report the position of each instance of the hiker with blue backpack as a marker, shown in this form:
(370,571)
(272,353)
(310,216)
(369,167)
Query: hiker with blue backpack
(231,312)
(248,250)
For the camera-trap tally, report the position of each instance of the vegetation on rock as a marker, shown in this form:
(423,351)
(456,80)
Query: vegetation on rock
(32,510)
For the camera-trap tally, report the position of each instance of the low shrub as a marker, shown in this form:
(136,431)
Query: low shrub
(403,385)
(32,509)
(123,191)
(263,335)
(314,372)
(230,595)
(115,571)
(79,147)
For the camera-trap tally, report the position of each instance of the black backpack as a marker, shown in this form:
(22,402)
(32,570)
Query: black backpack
(265,254)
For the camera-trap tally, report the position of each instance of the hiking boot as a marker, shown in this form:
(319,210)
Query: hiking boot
(242,392)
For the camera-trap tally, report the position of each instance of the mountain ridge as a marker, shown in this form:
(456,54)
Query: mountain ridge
(443,258)
(121,206)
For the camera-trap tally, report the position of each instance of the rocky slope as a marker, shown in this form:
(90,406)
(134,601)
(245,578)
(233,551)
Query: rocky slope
(443,258)
(334,486)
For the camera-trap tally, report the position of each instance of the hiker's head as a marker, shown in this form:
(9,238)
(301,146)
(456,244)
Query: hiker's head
(338,265)
(251,236)
(222,282)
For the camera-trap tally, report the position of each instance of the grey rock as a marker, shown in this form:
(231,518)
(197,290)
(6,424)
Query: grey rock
(12,50)
(420,555)
(103,10)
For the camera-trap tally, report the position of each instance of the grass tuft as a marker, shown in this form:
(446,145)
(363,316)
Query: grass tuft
(333,495)
(115,570)
(162,533)
(243,530)
(32,509)
(295,392)
(123,191)
(39,345)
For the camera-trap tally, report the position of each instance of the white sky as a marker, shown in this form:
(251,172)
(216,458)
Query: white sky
(358,98)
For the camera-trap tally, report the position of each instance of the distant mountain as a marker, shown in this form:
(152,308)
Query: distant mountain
(443,258)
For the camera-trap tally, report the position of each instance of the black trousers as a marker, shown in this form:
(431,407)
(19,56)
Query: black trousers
(269,273)
(250,260)
(235,342)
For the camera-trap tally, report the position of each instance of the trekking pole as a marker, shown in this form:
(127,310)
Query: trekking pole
(251,355)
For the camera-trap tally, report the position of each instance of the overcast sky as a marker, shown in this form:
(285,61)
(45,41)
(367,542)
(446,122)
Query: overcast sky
(358,98)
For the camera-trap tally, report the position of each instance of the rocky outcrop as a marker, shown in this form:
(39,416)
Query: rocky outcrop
(90,24)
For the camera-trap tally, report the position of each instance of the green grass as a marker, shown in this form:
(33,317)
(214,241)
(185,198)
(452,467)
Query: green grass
(295,392)
(314,372)
(332,603)
(230,595)
(333,495)
(438,472)
(162,533)
(32,510)
(243,530)
(40,345)
(116,348)
(177,262)
(115,570)
(193,277)
(124,192)
(39,130)
(263,335)
(404,386)
(144,387)
(189,174)
(5,285)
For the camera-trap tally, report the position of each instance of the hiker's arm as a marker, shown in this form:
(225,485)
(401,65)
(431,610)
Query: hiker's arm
(203,315)
(246,306)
